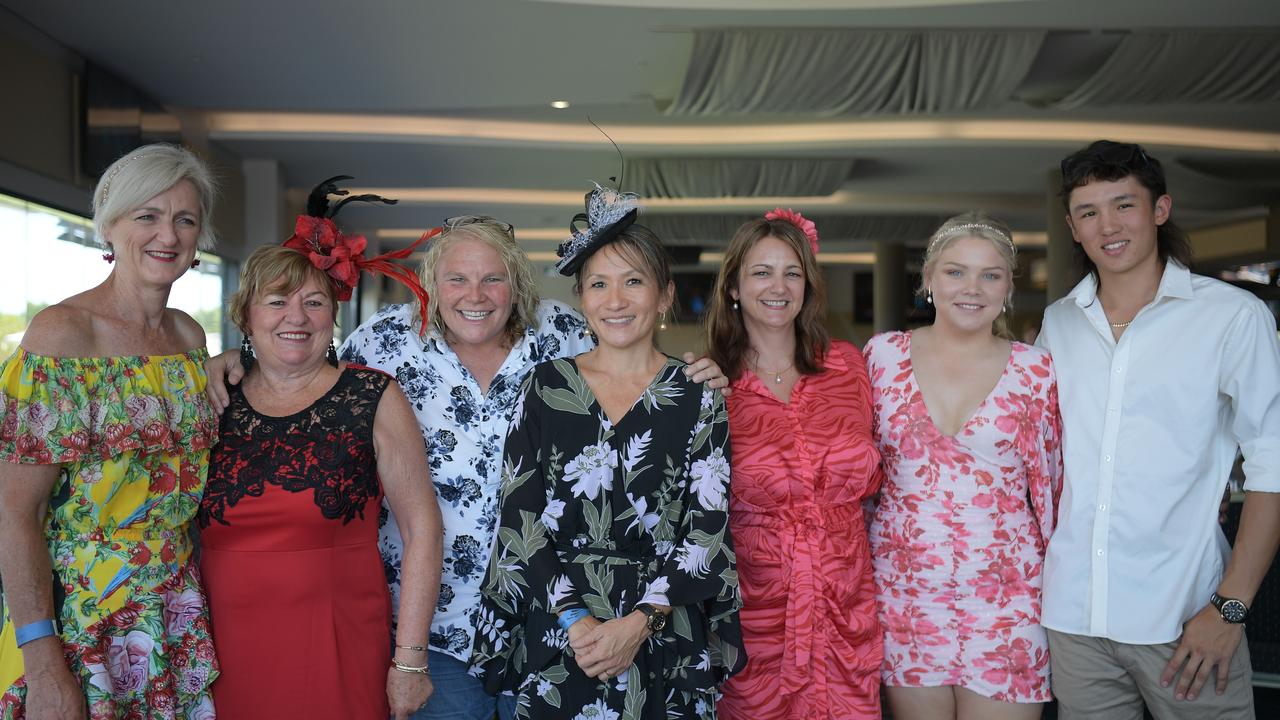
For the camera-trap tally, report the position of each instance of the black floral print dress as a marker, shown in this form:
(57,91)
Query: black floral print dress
(604,517)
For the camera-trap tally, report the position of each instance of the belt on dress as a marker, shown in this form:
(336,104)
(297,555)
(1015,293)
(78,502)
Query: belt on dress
(801,528)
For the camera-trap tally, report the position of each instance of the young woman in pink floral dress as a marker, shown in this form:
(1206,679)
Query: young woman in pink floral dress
(104,447)
(968,429)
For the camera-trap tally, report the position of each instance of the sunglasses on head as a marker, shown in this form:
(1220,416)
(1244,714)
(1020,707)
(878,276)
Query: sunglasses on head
(458,221)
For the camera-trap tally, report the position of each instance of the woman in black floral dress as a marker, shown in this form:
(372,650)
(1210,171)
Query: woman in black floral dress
(612,591)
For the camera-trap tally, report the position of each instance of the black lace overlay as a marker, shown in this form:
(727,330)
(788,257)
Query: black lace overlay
(326,448)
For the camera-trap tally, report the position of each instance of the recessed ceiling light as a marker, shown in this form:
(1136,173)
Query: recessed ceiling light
(560,104)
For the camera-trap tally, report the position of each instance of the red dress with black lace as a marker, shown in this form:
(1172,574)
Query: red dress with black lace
(289,541)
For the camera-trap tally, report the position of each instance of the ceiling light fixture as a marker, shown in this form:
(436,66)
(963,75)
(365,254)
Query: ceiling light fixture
(759,136)
(560,104)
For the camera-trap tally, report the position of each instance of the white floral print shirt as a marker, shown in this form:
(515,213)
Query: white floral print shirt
(464,433)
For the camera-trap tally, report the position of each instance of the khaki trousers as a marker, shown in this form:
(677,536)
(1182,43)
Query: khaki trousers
(1101,679)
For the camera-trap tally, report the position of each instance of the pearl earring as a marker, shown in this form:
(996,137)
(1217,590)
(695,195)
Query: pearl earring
(735,304)
(929,297)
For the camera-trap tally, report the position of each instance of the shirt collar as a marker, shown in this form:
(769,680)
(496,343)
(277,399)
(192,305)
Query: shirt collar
(436,343)
(1174,282)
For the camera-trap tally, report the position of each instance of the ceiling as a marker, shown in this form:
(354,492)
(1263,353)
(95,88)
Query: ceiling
(447,104)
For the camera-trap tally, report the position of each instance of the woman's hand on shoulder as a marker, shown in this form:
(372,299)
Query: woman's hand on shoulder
(222,370)
(705,370)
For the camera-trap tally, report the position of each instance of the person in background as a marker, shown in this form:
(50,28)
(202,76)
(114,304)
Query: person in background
(803,462)
(104,442)
(1162,375)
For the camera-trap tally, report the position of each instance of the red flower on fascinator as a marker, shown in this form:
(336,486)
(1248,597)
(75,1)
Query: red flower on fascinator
(806,226)
(331,251)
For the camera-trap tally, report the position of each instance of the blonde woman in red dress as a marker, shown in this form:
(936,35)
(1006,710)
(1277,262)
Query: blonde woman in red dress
(967,423)
(803,462)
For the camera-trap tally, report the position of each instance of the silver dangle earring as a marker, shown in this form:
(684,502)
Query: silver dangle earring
(735,304)
(928,297)
(662,321)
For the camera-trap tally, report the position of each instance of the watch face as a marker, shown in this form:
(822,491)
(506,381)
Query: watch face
(1234,611)
(657,622)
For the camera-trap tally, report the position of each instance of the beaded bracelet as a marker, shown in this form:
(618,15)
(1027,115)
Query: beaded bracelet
(424,670)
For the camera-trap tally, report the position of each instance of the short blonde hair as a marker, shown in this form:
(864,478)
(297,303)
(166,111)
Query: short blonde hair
(141,174)
(975,224)
(274,269)
(497,235)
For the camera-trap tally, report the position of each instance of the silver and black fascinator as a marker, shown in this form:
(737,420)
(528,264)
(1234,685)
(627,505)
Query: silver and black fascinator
(609,212)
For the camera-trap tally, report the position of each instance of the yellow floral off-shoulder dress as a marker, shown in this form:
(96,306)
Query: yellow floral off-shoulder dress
(132,435)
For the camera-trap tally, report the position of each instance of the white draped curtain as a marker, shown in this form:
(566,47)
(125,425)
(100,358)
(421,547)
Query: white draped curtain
(852,72)
(1151,68)
(717,230)
(715,177)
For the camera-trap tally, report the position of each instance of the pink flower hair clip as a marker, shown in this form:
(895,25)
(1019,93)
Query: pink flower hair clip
(806,226)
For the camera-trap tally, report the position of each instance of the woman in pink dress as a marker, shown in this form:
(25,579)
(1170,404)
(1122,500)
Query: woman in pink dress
(967,424)
(803,462)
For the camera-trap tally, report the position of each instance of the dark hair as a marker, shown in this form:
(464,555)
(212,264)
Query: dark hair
(639,246)
(1108,161)
(727,341)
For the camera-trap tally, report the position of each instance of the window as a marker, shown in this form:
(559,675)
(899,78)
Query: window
(50,255)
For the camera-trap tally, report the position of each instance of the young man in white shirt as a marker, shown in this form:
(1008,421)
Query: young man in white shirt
(1162,375)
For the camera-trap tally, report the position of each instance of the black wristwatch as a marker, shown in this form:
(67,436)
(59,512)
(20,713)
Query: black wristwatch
(1233,611)
(655,620)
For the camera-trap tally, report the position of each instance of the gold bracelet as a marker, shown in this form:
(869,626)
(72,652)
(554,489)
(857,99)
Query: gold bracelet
(415,648)
(424,670)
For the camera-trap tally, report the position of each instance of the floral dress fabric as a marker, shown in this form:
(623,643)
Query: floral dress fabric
(960,531)
(464,429)
(604,517)
(801,471)
(132,435)
(289,551)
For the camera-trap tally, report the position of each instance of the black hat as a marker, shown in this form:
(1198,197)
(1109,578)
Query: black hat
(609,212)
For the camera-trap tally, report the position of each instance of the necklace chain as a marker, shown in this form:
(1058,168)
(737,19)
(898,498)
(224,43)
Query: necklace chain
(777,376)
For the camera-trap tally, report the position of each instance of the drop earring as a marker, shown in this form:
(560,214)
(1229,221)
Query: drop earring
(662,321)
(929,297)
(246,353)
(735,304)
(332,355)
(109,256)
(195,263)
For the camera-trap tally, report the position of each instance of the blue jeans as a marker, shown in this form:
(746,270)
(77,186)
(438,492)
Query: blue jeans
(459,696)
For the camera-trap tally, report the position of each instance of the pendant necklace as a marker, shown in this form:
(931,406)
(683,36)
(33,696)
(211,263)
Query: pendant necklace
(777,376)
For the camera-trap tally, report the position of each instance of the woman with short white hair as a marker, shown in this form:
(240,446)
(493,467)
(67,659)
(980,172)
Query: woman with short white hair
(104,442)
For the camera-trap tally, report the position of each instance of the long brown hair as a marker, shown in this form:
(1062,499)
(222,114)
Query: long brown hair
(727,341)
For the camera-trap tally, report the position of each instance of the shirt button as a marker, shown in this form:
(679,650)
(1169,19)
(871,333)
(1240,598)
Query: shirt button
(1099,553)
(1107,458)
(1102,507)
(1118,369)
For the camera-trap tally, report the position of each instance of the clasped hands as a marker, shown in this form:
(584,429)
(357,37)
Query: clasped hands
(605,649)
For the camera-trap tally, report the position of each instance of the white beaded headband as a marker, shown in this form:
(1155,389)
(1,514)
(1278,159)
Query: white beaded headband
(106,184)
(966,229)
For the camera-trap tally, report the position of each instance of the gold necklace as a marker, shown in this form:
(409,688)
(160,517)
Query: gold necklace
(1120,326)
(777,376)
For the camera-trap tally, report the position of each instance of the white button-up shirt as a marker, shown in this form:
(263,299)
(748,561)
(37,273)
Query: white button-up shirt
(1151,424)
(464,431)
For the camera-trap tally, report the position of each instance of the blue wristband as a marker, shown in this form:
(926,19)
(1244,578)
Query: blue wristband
(35,631)
(569,617)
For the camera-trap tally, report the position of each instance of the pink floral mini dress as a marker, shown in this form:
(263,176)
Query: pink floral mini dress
(960,529)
